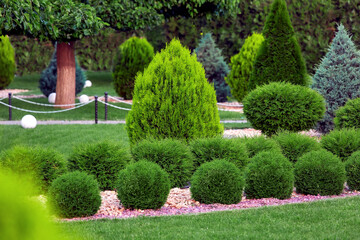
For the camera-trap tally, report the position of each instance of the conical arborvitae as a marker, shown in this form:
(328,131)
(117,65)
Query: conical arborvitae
(48,79)
(337,77)
(7,62)
(172,99)
(242,65)
(279,58)
(215,66)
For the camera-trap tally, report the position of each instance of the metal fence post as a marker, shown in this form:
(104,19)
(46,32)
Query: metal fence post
(96,109)
(10,109)
(106,107)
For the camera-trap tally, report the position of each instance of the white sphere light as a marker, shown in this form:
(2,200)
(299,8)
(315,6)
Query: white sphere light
(28,121)
(52,97)
(88,83)
(84,98)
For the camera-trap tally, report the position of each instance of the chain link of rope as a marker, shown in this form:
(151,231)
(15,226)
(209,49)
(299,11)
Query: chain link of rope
(58,111)
(45,104)
(119,100)
(108,104)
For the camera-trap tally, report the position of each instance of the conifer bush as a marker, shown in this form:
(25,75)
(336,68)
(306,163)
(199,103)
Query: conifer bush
(279,57)
(209,55)
(319,172)
(269,174)
(348,116)
(352,167)
(104,160)
(219,181)
(283,106)
(342,142)
(337,78)
(143,185)
(41,165)
(48,78)
(132,56)
(294,145)
(257,144)
(172,155)
(7,62)
(75,194)
(172,99)
(209,149)
(242,65)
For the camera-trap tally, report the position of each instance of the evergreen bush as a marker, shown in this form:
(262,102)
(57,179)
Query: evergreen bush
(257,144)
(337,78)
(215,66)
(7,62)
(279,57)
(143,185)
(48,78)
(342,142)
(294,145)
(103,160)
(172,99)
(208,149)
(319,172)
(283,106)
(269,175)
(242,65)
(133,56)
(41,165)
(172,155)
(352,167)
(75,194)
(218,181)
(348,116)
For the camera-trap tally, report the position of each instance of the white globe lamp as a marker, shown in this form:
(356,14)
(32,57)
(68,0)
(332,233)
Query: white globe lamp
(28,121)
(84,98)
(88,83)
(52,97)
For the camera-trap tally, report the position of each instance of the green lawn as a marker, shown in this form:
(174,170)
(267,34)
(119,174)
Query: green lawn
(328,219)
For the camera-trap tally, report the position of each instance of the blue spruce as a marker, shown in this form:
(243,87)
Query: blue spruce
(215,67)
(337,77)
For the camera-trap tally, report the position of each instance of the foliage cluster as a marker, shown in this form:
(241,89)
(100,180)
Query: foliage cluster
(104,160)
(348,115)
(143,185)
(352,167)
(319,172)
(7,62)
(257,144)
(219,181)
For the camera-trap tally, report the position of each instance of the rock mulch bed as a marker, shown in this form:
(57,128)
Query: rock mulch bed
(180,202)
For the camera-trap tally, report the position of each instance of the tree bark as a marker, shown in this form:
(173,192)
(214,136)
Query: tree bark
(66,84)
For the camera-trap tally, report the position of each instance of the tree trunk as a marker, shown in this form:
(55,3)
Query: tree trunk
(66,85)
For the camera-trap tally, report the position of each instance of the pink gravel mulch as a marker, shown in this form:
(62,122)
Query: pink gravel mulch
(179,202)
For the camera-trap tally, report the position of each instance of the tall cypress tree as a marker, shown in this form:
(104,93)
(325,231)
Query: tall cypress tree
(215,66)
(337,77)
(279,58)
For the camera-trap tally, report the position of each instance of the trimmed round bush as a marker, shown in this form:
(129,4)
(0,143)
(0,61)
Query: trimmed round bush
(104,160)
(208,149)
(294,145)
(319,172)
(174,156)
(218,181)
(143,185)
(269,175)
(352,167)
(255,145)
(348,116)
(7,62)
(21,217)
(173,99)
(283,106)
(133,56)
(342,142)
(75,194)
(41,165)
(48,78)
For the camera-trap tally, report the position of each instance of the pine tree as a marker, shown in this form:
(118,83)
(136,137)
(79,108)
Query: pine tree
(279,58)
(48,79)
(338,77)
(215,67)
(242,65)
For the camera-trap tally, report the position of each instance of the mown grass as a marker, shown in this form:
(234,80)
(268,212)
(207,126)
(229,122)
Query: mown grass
(327,219)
